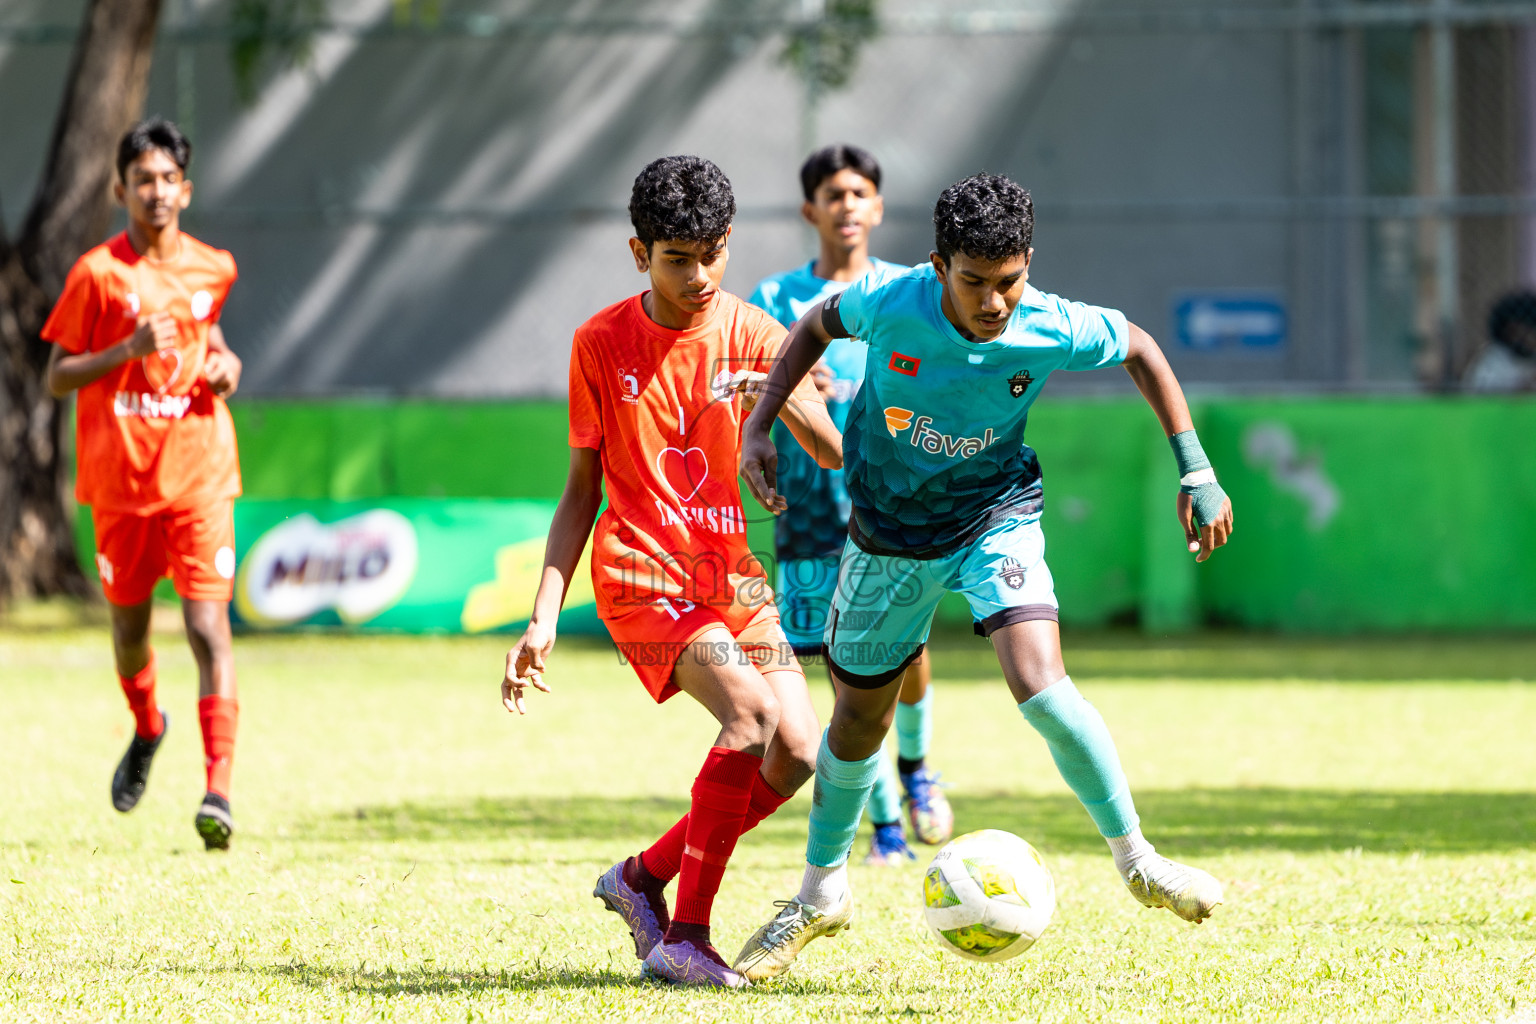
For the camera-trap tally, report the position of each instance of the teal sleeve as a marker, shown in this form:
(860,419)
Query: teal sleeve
(855,306)
(1100,337)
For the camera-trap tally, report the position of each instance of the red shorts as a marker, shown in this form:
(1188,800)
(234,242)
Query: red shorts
(195,545)
(652,637)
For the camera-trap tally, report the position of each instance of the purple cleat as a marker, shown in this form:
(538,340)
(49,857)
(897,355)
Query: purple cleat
(686,962)
(645,914)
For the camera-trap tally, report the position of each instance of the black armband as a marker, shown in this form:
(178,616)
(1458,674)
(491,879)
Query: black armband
(832,320)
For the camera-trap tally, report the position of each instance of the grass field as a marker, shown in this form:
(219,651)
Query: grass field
(407,851)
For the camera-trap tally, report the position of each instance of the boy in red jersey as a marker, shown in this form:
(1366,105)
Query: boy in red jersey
(137,334)
(659,387)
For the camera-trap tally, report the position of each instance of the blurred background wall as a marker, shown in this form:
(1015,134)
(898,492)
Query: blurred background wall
(1305,195)
(1311,204)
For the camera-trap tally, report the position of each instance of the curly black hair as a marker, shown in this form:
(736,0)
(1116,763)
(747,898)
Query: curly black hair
(155,133)
(825,162)
(683,198)
(986,217)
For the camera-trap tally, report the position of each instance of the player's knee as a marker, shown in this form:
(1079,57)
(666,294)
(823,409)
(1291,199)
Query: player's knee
(800,733)
(856,731)
(858,716)
(130,637)
(754,717)
(802,746)
(208,629)
(129,644)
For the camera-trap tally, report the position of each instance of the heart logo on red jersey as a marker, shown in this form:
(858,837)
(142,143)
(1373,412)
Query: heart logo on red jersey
(684,471)
(155,368)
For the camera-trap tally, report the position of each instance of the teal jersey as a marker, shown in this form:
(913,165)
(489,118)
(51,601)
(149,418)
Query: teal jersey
(816,523)
(934,451)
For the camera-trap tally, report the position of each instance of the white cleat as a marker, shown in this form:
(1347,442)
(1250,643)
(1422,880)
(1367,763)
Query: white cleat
(1156,881)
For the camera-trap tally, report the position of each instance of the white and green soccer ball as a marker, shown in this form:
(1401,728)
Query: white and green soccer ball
(988,896)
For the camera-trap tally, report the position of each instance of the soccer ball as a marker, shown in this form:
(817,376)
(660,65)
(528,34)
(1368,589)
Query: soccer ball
(988,896)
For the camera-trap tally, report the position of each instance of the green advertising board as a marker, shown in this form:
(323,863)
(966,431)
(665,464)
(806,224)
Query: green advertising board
(403,564)
(1387,514)
(1352,513)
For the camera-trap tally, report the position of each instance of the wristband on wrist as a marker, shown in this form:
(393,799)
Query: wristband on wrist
(1196,477)
(1188,453)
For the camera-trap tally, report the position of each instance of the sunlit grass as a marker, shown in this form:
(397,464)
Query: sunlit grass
(407,851)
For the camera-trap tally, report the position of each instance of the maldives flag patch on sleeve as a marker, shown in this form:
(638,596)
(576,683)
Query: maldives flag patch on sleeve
(905,364)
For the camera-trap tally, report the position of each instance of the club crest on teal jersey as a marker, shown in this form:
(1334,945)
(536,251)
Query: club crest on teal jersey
(1011,573)
(1019,383)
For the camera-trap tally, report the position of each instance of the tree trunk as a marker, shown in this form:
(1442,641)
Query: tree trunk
(103,96)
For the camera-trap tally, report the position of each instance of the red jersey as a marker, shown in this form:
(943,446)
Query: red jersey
(150,433)
(646,397)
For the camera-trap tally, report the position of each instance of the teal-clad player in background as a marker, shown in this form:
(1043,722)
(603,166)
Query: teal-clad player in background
(843,203)
(947,497)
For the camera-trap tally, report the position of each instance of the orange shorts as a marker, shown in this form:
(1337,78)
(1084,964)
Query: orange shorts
(195,546)
(652,637)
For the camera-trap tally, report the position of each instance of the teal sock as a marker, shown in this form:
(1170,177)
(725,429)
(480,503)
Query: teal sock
(914,727)
(1084,754)
(885,799)
(837,803)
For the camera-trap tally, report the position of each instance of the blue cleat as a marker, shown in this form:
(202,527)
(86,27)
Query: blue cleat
(933,822)
(888,848)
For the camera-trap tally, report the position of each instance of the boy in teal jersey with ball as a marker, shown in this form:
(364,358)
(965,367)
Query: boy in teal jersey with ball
(841,184)
(946,496)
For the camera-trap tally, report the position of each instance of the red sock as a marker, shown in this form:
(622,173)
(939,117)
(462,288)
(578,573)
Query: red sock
(721,795)
(218,716)
(665,855)
(140,691)
(662,860)
(765,800)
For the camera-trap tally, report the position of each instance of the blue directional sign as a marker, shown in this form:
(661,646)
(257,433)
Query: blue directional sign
(1218,321)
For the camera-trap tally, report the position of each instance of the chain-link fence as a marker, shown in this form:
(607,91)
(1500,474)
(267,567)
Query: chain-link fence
(1306,195)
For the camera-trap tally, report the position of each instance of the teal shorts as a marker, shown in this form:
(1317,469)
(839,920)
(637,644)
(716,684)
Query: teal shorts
(883,607)
(803,593)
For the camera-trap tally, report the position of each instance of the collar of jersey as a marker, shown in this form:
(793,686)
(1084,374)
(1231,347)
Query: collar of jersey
(126,253)
(656,330)
(875,265)
(1031,299)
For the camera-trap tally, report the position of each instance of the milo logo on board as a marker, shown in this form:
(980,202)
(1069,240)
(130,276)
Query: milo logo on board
(360,566)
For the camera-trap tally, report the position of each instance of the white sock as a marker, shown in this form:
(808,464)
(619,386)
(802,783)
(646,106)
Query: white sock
(1128,849)
(824,888)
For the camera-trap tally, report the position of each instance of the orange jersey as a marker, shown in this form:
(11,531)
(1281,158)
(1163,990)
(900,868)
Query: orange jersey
(150,432)
(648,399)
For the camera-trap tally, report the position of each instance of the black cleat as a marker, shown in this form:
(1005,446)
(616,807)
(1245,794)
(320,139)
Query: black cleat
(133,770)
(214,822)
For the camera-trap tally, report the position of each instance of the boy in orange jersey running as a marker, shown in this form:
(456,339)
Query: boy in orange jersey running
(659,386)
(137,334)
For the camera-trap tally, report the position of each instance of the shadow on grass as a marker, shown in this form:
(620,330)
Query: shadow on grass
(431,982)
(389,983)
(1299,820)
(1191,821)
(1219,655)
